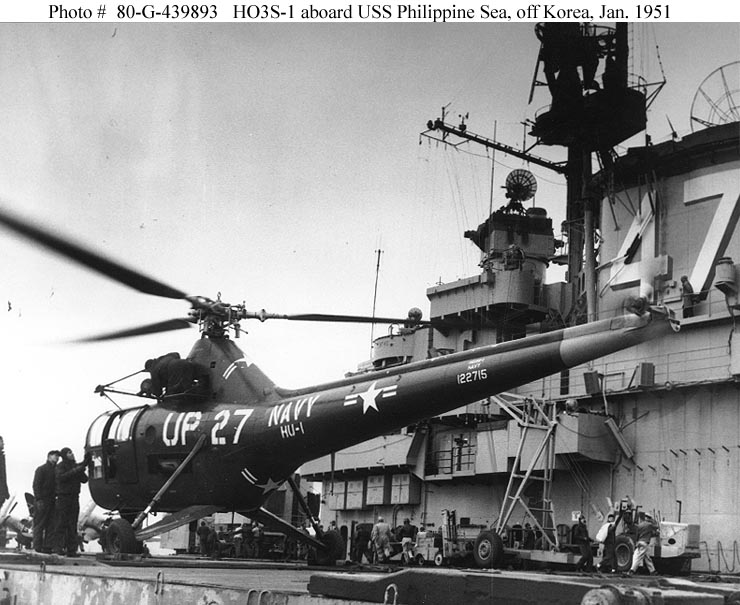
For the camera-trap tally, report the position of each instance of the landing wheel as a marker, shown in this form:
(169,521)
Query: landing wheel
(334,549)
(120,538)
(439,559)
(623,549)
(488,550)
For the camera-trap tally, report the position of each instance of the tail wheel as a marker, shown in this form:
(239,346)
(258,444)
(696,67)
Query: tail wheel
(488,550)
(623,549)
(120,538)
(334,549)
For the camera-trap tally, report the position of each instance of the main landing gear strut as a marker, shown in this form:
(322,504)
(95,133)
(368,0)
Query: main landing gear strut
(333,544)
(120,535)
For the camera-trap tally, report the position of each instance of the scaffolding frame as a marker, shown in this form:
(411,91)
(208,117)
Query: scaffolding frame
(532,417)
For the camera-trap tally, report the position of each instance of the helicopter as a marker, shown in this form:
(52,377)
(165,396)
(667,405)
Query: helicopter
(224,437)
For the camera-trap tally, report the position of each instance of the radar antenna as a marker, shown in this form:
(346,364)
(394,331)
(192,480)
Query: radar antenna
(717,100)
(520,185)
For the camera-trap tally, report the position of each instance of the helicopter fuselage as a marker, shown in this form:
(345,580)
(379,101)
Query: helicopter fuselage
(253,435)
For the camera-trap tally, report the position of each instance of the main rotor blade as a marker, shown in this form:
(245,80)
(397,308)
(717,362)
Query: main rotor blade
(160,326)
(88,258)
(362,319)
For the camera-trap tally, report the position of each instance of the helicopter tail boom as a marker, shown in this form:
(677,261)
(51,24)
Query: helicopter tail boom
(379,402)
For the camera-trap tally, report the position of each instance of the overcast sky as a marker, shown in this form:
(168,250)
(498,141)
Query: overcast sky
(265,162)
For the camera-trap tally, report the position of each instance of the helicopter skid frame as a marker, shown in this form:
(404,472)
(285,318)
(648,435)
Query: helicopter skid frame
(162,490)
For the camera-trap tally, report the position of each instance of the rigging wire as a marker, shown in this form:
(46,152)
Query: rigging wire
(459,207)
(493,170)
(468,151)
(379,251)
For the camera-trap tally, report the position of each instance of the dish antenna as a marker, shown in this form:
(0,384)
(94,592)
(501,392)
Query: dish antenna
(520,185)
(717,100)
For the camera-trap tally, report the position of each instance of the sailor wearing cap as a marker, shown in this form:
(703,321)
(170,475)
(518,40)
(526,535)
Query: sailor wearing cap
(646,530)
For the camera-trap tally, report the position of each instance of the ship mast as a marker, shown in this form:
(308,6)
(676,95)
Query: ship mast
(585,117)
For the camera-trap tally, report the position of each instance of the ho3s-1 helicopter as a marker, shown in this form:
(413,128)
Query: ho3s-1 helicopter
(229,437)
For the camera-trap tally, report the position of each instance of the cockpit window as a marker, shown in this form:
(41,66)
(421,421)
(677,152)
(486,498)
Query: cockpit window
(95,432)
(113,426)
(126,423)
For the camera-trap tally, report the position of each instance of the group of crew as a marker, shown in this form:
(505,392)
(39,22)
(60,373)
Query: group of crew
(56,506)
(56,491)
(645,529)
(374,544)
(245,542)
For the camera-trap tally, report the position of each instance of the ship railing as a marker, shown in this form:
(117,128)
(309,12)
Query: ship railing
(455,460)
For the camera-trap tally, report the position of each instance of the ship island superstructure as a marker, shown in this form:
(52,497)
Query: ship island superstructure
(657,424)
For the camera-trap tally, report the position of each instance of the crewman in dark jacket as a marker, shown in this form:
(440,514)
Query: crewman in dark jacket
(170,374)
(647,529)
(69,476)
(583,540)
(44,495)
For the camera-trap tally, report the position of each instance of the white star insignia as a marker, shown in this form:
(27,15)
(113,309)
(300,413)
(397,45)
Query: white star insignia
(368,398)
(270,486)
